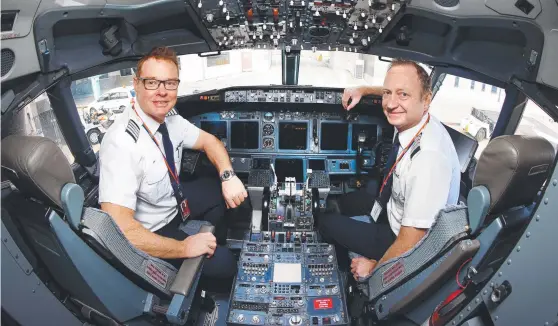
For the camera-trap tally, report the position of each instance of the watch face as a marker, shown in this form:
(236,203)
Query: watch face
(226,174)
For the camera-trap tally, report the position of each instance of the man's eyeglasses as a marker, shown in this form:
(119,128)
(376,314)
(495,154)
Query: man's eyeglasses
(152,84)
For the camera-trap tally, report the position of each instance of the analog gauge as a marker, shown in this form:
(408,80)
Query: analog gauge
(268,143)
(268,116)
(268,129)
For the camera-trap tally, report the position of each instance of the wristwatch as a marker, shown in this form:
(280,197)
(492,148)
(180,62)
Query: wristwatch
(227,175)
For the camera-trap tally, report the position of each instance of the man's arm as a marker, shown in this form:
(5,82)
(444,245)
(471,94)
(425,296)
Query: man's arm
(372,90)
(408,237)
(143,239)
(215,151)
(234,191)
(355,94)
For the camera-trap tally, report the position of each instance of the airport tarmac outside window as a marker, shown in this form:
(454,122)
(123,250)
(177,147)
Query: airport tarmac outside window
(536,122)
(468,109)
(100,99)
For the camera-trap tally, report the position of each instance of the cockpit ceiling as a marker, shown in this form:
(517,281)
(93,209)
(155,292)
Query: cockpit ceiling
(501,39)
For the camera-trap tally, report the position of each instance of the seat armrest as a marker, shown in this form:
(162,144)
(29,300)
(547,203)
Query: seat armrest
(189,270)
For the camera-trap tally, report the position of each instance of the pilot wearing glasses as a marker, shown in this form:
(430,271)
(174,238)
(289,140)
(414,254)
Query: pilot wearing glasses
(139,174)
(422,176)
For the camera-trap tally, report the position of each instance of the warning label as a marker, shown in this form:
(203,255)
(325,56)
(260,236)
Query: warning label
(323,303)
(156,274)
(393,273)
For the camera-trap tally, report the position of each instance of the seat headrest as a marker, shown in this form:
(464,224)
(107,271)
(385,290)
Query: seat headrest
(36,166)
(513,169)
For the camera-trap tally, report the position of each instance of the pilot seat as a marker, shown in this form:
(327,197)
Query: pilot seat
(82,248)
(465,240)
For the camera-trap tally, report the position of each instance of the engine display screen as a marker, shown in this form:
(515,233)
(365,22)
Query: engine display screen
(293,135)
(334,136)
(244,135)
(216,128)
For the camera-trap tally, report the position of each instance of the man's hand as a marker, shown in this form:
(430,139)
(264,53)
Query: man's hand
(234,192)
(362,267)
(354,94)
(200,244)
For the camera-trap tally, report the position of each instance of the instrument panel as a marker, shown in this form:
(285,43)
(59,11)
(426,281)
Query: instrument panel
(295,141)
(294,132)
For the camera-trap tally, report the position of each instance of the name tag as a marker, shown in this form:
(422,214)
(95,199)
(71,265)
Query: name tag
(184,210)
(376,210)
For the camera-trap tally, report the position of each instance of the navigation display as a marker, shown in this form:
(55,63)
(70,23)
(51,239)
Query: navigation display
(293,135)
(216,128)
(334,136)
(244,135)
(370,132)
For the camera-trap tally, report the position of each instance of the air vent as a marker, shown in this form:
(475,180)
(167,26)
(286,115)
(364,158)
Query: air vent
(447,3)
(8,19)
(8,58)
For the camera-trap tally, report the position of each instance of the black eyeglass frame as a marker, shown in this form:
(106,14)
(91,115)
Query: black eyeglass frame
(159,83)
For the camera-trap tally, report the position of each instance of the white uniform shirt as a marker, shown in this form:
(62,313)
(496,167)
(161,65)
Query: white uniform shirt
(133,172)
(427,182)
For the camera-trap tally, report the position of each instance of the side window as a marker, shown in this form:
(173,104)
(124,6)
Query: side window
(535,122)
(38,119)
(92,93)
(468,109)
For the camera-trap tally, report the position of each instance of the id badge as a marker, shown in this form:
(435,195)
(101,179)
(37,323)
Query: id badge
(184,209)
(376,210)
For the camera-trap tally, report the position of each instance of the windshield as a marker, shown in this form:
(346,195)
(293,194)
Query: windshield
(263,67)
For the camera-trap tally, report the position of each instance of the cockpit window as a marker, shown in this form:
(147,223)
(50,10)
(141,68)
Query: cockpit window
(38,119)
(469,106)
(536,122)
(100,99)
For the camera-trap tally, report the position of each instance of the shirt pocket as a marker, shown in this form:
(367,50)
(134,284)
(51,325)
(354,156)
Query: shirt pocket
(156,183)
(397,190)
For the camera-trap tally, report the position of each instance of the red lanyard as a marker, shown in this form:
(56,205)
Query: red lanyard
(158,146)
(403,153)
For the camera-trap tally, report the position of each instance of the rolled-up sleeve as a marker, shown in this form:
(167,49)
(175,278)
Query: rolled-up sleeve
(191,133)
(427,188)
(120,173)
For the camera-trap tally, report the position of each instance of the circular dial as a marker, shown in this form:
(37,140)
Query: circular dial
(268,143)
(268,129)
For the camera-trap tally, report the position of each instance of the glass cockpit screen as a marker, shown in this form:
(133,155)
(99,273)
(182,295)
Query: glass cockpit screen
(216,128)
(334,136)
(245,135)
(293,135)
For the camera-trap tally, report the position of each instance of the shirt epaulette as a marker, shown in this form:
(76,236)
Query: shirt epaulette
(415,148)
(172,112)
(133,130)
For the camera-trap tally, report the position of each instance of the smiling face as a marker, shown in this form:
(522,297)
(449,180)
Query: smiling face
(404,100)
(156,102)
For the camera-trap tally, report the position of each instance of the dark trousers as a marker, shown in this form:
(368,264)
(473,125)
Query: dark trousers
(206,203)
(370,240)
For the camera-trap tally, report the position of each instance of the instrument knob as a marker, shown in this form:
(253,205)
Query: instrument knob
(240,318)
(256,320)
(295,320)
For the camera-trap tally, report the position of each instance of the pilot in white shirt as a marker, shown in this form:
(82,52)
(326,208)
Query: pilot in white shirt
(140,184)
(422,176)
(147,190)
(432,157)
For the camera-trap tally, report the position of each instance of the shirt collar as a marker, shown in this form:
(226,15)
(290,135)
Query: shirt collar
(405,137)
(151,124)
